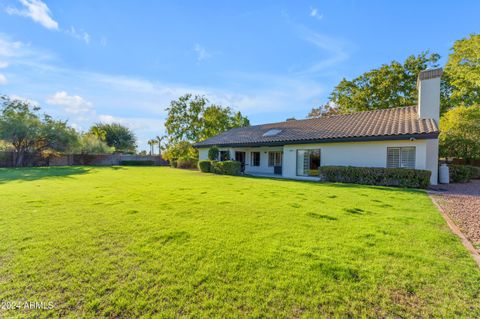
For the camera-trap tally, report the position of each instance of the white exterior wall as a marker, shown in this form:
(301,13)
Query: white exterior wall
(362,154)
(432,160)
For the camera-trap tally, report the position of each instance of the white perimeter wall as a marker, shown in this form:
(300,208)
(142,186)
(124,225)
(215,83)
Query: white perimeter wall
(363,154)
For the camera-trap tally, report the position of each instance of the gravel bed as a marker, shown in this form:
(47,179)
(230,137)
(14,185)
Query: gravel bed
(462,203)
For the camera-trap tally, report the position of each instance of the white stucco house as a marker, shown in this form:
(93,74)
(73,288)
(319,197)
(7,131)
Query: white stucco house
(404,137)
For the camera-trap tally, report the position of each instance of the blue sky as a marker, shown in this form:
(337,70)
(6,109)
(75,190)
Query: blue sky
(124,61)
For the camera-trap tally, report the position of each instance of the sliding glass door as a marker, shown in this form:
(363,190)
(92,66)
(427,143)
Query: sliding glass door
(308,162)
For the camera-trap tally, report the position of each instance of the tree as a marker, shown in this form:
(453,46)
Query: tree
(159,142)
(190,119)
(91,144)
(28,132)
(460,133)
(184,118)
(116,135)
(323,110)
(391,85)
(98,132)
(152,144)
(462,71)
(180,150)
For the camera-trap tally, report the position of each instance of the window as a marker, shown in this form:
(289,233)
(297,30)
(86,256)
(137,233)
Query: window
(274,159)
(401,157)
(271,132)
(255,158)
(308,162)
(224,155)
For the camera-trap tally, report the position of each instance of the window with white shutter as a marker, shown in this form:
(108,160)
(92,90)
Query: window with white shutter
(401,157)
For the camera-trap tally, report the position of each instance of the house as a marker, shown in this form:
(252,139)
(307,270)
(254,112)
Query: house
(404,137)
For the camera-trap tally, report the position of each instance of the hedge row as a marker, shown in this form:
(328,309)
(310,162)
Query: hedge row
(400,177)
(137,163)
(463,173)
(222,168)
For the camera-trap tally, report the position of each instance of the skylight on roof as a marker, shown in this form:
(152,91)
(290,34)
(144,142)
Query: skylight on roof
(271,132)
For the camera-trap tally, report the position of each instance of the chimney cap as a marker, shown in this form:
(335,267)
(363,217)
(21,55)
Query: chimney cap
(430,74)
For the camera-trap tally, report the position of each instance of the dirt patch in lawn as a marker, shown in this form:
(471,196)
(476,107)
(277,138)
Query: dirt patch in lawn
(462,203)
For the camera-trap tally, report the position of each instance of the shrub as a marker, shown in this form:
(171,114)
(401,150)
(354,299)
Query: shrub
(173,163)
(461,173)
(213,153)
(137,163)
(205,166)
(187,163)
(225,167)
(474,172)
(401,177)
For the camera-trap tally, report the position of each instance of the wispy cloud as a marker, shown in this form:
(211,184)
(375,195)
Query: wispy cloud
(202,53)
(3,64)
(335,49)
(37,11)
(73,104)
(315,14)
(3,79)
(78,34)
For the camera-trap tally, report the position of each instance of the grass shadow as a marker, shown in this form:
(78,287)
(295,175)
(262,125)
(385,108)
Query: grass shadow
(37,173)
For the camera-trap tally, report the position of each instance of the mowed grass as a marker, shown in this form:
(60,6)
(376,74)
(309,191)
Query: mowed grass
(161,242)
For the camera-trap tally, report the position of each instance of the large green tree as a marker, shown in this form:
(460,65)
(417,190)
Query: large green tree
(462,71)
(190,118)
(116,135)
(460,133)
(30,132)
(391,85)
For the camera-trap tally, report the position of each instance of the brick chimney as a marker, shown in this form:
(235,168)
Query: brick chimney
(428,86)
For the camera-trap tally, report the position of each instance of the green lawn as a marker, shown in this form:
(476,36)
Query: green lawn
(148,241)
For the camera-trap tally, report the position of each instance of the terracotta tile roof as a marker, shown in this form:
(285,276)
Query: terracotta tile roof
(394,123)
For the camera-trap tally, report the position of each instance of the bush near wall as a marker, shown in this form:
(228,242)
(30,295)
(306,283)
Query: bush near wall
(400,177)
(173,163)
(137,163)
(463,173)
(221,168)
(226,167)
(187,163)
(205,166)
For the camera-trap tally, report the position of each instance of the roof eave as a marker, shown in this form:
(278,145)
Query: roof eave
(419,136)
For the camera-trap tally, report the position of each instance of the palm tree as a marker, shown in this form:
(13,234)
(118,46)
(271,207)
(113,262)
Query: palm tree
(151,143)
(159,142)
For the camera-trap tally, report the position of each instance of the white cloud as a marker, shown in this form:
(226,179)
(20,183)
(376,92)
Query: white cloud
(78,34)
(202,53)
(3,79)
(37,11)
(315,14)
(73,104)
(3,64)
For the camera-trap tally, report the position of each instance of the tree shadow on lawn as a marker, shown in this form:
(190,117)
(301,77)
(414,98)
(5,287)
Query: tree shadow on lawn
(338,185)
(36,173)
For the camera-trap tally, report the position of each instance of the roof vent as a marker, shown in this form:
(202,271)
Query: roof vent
(291,119)
(271,132)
